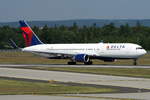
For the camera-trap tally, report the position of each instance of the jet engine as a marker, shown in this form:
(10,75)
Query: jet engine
(81,58)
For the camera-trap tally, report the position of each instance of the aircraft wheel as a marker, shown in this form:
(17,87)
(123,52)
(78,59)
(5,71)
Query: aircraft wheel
(71,63)
(88,63)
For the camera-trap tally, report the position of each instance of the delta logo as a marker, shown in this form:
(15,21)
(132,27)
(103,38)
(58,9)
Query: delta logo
(115,47)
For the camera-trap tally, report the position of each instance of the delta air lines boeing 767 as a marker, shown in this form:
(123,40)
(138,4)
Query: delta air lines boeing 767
(80,52)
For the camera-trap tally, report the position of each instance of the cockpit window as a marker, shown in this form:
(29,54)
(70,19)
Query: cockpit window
(139,48)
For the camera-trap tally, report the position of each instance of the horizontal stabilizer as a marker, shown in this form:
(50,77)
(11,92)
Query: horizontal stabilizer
(13,44)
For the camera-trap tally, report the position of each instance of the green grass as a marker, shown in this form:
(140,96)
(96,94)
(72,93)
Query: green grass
(28,58)
(130,72)
(16,87)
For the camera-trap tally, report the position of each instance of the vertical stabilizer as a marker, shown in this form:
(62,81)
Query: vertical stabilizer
(29,36)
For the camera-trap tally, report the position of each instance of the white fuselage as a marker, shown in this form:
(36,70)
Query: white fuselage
(112,50)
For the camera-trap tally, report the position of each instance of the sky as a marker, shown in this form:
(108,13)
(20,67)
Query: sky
(33,10)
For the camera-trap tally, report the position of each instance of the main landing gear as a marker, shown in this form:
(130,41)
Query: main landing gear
(71,63)
(85,63)
(88,63)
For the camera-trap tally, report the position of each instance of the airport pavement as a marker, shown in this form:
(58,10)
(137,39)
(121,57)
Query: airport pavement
(121,96)
(65,65)
(140,83)
(36,97)
(135,96)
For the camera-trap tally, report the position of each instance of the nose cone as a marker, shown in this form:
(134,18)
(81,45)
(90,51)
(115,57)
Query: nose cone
(143,52)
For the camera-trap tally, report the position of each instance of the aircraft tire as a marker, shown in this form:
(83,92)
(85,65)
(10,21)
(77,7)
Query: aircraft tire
(88,63)
(71,63)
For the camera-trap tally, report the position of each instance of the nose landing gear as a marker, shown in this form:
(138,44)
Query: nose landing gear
(135,62)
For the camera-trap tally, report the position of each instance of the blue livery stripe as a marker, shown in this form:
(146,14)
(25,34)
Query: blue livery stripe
(22,23)
(35,40)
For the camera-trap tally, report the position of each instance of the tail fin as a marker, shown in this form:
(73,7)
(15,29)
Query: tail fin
(29,36)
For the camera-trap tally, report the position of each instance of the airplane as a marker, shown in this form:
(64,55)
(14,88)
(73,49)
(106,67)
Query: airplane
(108,52)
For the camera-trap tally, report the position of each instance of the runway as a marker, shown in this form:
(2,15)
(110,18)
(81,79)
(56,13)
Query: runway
(63,65)
(140,83)
(36,97)
(8,70)
(135,96)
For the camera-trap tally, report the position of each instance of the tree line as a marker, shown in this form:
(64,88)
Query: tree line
(138,34)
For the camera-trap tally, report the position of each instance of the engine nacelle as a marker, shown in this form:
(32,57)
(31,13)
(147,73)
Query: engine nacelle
(81,58)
